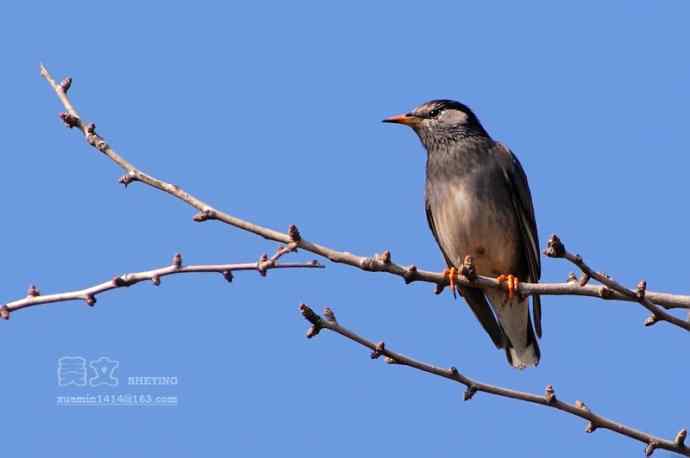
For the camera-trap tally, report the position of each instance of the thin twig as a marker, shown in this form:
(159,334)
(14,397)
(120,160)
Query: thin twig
(377,263)
(556,249)
(88,295)
(549,399)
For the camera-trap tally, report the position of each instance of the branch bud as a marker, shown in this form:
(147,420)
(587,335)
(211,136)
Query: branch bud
(5,312)
(69,119)
(66,84)
(410,274)
(262,264)
(385,257)
(680,438)
(550,394)
(554,247)
(470,392)
(177,260)
(127,179)
(90,300)
(651,320)
(581,405)
(33,291)
(605,292)
(294,234)
(467,269)
(641,289)
(378,351)
(367,264)
(329,314)
(650,448)
(313,318)
(227,275)
(204,215)
(585,279)
(119,281)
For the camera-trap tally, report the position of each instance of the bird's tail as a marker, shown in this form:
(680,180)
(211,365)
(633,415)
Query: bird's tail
(522,348)
(523,357)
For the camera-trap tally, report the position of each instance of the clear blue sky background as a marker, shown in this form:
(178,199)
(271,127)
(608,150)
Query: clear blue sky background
(272,112)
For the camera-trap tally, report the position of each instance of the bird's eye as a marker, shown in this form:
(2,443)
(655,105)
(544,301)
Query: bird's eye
(435,112)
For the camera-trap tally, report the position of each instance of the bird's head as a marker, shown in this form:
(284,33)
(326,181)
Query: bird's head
(440,121)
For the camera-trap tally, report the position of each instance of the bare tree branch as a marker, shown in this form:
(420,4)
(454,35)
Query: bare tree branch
(549,399)
(378,263)
(556,249)
(89,294)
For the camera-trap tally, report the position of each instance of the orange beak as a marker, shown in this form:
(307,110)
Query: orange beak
(407,119)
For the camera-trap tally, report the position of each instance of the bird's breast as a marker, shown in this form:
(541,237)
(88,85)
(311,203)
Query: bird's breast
(475,217)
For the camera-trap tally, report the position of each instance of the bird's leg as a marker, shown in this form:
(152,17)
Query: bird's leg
(451,274)
(512,283)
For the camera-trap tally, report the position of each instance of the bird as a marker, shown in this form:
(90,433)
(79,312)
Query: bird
(478,203)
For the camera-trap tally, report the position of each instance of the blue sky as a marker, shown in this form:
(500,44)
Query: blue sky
(272,112)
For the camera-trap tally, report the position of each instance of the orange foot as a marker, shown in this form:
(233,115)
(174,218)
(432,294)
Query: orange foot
(452,275)
(512,283)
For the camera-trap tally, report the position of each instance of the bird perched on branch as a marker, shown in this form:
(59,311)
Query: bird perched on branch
(478,204)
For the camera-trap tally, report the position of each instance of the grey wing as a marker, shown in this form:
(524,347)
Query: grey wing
(522,203)
(474,297)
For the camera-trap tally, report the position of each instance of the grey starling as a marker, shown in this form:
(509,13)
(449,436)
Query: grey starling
(478,204)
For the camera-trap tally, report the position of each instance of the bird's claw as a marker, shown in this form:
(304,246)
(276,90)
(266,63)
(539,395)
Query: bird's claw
(512,284)
(452,275)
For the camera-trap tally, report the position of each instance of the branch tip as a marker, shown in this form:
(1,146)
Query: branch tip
(554,247)
(313,318)
(680,438)
(5,312)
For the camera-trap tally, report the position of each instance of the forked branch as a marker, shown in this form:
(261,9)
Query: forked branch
(377,263)
(88,295)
